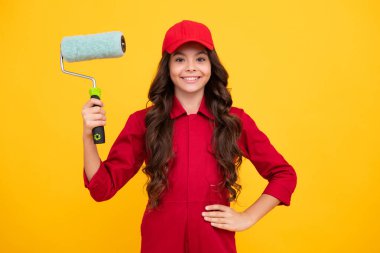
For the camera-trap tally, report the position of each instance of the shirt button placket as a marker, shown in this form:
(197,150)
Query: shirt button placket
(187,183)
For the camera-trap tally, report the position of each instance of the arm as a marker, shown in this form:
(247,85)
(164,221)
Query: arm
(272,166)
(91,156)
(93,116)
(123,162)
(269,163)
(225,217)
(260,208)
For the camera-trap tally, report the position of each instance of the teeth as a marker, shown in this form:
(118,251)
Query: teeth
(190,78)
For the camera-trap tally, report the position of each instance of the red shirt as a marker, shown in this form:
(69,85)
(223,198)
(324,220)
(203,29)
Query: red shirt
(193,176)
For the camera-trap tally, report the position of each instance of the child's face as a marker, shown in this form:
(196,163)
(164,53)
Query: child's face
(190,69)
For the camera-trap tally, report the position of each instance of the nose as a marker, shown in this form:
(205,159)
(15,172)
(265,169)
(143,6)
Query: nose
(191,68)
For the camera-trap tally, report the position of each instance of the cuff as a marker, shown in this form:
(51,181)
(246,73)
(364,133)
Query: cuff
(89,183)
(86,181)
(280,192)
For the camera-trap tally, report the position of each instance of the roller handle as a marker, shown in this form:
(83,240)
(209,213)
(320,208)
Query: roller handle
(98,132)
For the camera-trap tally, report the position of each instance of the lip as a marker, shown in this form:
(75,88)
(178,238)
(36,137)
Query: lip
(190,79)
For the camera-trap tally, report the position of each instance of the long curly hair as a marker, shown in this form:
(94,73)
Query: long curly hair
(159,128)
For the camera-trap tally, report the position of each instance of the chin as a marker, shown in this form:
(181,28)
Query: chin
(191,91)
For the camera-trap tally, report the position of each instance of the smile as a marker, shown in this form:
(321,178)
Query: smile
(190,78)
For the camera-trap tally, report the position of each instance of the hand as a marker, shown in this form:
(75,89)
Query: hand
(224,217)
(93,116)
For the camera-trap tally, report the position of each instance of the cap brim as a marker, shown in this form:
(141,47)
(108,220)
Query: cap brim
(179,43)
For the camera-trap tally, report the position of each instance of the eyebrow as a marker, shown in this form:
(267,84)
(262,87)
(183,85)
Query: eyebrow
(200,52)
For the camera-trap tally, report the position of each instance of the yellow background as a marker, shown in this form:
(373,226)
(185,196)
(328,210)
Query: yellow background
(306,71)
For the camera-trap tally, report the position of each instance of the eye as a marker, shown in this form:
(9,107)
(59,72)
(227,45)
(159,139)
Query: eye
(201,59)
(179,59)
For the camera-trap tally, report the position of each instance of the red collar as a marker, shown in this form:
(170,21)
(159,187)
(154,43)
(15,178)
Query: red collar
(178,110)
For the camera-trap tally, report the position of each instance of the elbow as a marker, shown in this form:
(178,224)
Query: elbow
(285,175)
(100,196)
(100,185)
(294,178)
(284,185)
(288,178)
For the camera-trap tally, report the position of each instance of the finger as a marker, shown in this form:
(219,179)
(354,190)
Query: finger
(217,207)
(93,103)
(94,117)
(216,220)
(215,214)
(98,117)
(93,110)
(222,226)
(93,124)
(96,109)
(96,101)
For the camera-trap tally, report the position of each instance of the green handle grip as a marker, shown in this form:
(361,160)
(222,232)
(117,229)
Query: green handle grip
(97,132)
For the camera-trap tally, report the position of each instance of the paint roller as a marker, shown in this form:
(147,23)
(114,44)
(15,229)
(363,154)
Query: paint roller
(89,47)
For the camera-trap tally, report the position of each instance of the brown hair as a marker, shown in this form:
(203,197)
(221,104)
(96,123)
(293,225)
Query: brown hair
(159,128)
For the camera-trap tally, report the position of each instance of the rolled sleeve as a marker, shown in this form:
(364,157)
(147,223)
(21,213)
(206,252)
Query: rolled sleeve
(124,160)
(270,164)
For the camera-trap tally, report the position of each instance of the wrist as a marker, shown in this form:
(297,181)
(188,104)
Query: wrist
(250,217)
(87,136)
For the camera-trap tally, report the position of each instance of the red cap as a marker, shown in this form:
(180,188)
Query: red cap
(186,31)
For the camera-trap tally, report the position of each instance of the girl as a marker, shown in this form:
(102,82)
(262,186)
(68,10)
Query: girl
(192,141)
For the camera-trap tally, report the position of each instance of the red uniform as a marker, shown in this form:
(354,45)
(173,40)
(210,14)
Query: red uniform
(177,226)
